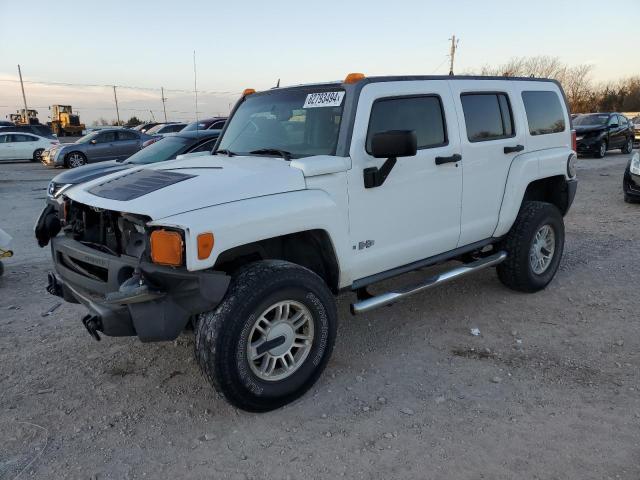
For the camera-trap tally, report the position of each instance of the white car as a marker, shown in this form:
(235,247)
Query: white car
(315,190)
(23,146)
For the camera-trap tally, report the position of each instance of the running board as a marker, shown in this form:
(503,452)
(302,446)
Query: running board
(444,277)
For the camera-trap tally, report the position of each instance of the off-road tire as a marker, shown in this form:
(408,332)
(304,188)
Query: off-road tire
(628,146)
(516,271)
(221,335)
(37,155)
(602,152)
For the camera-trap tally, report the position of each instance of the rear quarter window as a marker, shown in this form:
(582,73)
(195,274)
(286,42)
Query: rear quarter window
(544,112)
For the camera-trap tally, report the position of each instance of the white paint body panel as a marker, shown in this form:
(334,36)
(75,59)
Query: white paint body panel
(421,210)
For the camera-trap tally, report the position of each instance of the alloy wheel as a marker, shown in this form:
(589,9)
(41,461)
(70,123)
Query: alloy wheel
(542,249)
(280,340)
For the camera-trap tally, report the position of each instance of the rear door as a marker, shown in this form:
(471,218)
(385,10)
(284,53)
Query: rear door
(415,213)
(23,146)
(491,138)
(128,143)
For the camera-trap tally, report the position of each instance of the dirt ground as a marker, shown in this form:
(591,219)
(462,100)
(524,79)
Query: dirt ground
(550,389)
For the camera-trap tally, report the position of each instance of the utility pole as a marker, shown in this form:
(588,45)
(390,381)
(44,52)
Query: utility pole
(195,85)
(24,97)
(452,52)
(115,96)
(163,104)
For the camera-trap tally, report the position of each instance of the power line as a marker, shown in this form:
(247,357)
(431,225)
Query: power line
(127,87)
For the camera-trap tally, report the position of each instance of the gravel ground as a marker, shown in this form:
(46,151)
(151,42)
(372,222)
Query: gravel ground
(548,390)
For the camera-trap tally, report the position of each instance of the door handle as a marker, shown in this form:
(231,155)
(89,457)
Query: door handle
(452,159)
(517,148)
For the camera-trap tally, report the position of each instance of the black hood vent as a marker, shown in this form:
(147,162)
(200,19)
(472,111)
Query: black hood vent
(136,184)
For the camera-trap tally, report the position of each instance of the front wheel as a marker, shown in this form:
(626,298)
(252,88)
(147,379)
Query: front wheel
(628,146)
(602,150)
(270,338)
(75,160)
(534,247)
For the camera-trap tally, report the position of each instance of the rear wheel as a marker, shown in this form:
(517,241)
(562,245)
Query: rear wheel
(75,160)
(37,155)
(628,146)
(534,246)
(602,149)
(270,338)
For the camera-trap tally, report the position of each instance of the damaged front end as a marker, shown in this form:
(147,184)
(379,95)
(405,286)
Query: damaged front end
(102,260)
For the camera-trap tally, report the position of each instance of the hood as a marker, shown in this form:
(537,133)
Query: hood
(177,186)
(89,172)
(581,129)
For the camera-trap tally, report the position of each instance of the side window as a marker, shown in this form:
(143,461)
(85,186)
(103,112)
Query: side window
(205,147)
(217,126)
(544,112)
(126,135)
(4,138)
(424,115)
(22,138)
(106,137)
(487,116)
(623,121)
(613,120)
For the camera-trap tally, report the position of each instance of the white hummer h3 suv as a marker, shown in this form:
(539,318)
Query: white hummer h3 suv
(310,191)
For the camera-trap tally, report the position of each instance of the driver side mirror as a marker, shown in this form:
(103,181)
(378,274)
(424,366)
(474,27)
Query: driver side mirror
(394,144)
(614,125)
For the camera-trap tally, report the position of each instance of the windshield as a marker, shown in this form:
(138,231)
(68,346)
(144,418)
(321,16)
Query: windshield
(591,119)
(87,138)
(303,122)
(166,149)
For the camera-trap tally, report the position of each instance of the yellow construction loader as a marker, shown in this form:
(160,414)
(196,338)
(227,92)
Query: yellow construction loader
(65,122)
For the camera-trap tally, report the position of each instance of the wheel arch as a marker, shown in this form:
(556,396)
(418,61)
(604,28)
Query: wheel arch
(539,176)
(312,249)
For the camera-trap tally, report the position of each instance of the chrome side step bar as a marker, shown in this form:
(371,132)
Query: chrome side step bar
(444,277)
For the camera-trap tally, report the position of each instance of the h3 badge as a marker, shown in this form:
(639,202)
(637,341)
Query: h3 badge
(365,244)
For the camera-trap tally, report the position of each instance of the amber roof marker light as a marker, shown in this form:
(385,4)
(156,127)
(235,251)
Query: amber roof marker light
(354,78)
(248,91)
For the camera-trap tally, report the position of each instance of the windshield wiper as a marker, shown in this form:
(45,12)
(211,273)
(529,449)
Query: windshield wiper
(272,151)
(224,151)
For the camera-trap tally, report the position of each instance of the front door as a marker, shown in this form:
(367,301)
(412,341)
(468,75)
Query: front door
(415,213)
(104,148)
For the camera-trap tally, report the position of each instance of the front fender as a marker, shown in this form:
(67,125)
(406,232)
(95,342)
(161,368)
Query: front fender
(245,221)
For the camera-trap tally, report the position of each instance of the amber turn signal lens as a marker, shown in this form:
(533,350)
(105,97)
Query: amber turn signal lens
(205,245)
(248,91)
(354,78)
(166,247)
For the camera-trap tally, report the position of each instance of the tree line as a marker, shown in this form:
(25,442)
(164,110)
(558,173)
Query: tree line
(583,94)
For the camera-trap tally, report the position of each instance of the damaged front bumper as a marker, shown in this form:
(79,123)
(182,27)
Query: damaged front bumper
(155,303)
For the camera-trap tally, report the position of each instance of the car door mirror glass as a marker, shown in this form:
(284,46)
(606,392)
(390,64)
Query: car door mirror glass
(394,144)
(614,125)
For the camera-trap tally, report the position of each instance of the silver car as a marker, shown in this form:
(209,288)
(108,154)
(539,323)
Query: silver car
(98,146)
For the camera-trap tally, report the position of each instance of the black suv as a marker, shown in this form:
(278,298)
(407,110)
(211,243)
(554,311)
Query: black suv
(598,132)
(40,130)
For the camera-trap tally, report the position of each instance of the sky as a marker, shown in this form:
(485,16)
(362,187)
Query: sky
(251,44)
